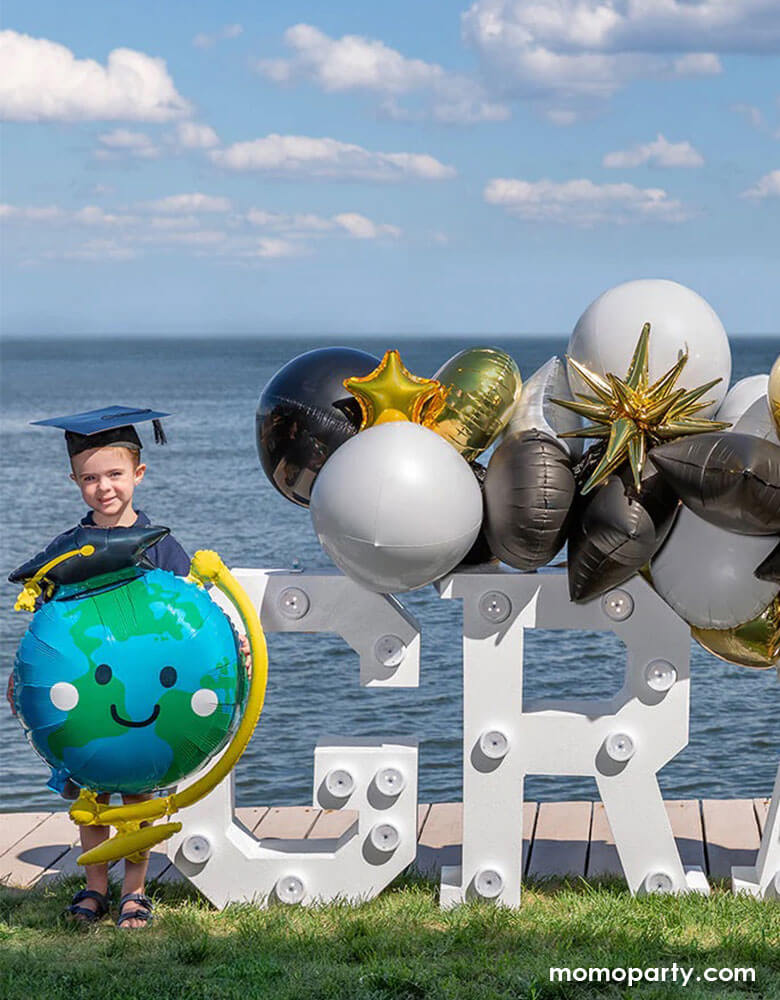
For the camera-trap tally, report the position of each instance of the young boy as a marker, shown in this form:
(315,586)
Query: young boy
(105,459)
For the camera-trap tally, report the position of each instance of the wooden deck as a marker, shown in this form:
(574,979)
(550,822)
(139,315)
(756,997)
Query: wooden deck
(559,838)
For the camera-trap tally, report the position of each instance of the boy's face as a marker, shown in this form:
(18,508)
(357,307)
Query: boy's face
(107,478)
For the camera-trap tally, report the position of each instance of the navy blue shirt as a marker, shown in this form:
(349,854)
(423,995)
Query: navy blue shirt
(166,554)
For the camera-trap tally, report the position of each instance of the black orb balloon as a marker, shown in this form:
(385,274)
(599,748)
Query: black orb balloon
(305,414)
(529,491)
(731,480)
(480,552)
(616,530)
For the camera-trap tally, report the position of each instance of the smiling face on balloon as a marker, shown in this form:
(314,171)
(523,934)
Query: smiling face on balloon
(144,688)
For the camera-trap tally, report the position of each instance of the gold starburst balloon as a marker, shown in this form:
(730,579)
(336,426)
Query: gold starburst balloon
(632,414)
(390,392)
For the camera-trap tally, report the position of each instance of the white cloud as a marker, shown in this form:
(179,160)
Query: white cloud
(697,64)
(195,202)
(767,187)
(355,63)
(362,228)
(658,153)
(572,53)
(123,141)
(192,135)
(582,203)
(752,114)
(302,156)
(352,223)
(203,40)
(44,81)
(272,247)
(31,213)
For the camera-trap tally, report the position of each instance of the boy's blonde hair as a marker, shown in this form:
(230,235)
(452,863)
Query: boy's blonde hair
(135,454)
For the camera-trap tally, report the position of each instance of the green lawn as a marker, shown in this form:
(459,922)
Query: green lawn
(397,946)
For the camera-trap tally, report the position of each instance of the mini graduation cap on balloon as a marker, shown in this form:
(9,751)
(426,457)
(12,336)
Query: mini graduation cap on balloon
(109,426)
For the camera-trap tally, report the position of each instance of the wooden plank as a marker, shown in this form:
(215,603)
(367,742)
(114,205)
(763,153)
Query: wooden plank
(685,817)
(762,811)
(530,812)
(38,850)
(561,839)
(17,825)
(287,822)
(422,814)
(441,838)
(731,833)
(332,823)
(603,858)
(250,816)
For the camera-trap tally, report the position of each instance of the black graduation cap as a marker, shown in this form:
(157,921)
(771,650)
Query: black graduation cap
(109,425)
(84,553)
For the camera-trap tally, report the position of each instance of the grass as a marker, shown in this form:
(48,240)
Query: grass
(399,945)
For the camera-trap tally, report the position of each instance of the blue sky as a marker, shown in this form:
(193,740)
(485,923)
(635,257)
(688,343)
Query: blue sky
(408,168)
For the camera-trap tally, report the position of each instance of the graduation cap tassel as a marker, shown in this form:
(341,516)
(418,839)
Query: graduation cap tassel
(159,433)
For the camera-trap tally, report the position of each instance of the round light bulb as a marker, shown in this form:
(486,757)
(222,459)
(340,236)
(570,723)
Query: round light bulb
(339,783)
(196,848)
(390,781)
(488,883)
(384,837)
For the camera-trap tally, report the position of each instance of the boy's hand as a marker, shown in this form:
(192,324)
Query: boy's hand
(9,693)
(243,645)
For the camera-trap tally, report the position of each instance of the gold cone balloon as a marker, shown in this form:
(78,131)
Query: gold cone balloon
(754,644)
(773,394)
(483,386)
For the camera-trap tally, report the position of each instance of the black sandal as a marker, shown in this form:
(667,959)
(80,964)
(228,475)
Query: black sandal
(83,914)
(143,912)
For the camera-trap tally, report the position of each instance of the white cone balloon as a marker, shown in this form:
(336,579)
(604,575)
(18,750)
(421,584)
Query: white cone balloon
(396,507)
(536,411)
(606,334)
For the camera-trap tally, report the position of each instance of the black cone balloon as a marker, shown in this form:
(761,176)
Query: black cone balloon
(616,530)
(529,491)
(305,413)
(731,480)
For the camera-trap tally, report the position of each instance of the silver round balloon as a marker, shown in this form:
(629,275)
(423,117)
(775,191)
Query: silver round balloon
(606,334)
(396,507)
(707,574)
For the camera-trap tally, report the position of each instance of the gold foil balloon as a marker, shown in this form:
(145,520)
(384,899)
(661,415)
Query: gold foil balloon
(483,386)
(754,644)
(390,393)
(773,394)
(632,414)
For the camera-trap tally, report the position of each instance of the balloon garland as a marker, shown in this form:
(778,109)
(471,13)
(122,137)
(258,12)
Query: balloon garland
(676,482)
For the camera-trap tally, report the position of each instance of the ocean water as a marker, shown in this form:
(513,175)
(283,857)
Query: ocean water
(207,485)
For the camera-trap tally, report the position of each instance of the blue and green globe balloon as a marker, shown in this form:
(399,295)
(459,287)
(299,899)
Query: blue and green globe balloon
(129,682)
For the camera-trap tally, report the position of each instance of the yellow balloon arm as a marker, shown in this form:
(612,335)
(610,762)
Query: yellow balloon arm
(124,845)
(208,568)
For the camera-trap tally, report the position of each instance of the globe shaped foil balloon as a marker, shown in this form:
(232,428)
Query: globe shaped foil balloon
(130,684)
(396,507)
(305,414)
(482,387)
(680,320)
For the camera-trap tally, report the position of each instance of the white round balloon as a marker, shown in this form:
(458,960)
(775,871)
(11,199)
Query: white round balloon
(746,408)
(396,507)
(704,572)
(606,334)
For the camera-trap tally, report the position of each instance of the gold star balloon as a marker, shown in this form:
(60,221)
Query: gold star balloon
(390,392)
(631,413)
